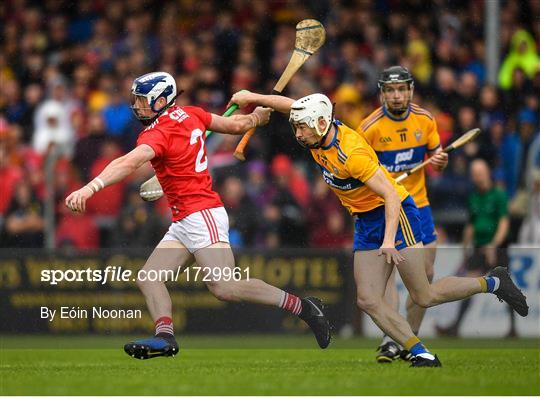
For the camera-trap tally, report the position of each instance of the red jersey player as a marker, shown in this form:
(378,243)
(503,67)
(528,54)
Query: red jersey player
(174,142)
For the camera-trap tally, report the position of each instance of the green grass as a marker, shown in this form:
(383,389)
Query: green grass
(262,365)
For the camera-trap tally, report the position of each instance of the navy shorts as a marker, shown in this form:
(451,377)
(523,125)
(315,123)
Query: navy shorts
(369,227)
(428,226)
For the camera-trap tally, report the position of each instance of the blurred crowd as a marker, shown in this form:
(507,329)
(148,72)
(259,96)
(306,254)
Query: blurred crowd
(66,70)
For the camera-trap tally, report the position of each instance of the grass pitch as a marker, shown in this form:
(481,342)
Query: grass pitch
(262,365)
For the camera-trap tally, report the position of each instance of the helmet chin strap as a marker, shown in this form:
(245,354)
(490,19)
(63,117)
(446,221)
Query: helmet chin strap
(320,142)
(312,146)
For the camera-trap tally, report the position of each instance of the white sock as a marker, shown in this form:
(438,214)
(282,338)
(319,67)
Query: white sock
(387,339)
(497,283)
(426,355)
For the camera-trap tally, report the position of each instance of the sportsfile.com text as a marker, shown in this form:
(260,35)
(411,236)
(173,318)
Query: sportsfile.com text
(120,274)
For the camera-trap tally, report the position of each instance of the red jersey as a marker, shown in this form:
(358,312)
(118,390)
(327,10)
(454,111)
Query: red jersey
(178,140)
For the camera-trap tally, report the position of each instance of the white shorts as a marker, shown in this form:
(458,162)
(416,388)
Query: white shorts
(200,229)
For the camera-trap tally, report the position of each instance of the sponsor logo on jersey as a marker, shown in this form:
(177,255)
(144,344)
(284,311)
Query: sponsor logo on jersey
(404,156)
(403,159)
(343,184)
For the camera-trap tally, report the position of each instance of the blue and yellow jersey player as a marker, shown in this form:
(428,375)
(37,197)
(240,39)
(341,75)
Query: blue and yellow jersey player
(388,234)
(402,134)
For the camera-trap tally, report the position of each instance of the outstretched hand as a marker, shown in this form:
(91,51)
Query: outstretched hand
(242,98)
(76,201)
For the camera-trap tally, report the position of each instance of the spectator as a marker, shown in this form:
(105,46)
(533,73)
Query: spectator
(522,55)
(88,149)
(291,179)
(515,95)
(445,93)
(490,107)
(33,95)
(528,122)
(137,225)
(117,114)
(243,220)
(24,219)
(49,131)
(257,187)
(286,226)
(77,230)
(529,233)
(418,53)
(487,232)
(468,89)
(332,231)
(530,229)
(348,106)
(10,175)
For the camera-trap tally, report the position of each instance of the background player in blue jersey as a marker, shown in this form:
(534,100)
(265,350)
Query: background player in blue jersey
(402,133)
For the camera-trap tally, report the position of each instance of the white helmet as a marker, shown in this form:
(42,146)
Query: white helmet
(309,109)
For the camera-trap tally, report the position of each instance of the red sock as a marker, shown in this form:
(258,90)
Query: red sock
(291,303)
(164,325)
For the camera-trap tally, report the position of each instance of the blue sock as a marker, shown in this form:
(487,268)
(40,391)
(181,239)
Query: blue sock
(418,348)
(492,283)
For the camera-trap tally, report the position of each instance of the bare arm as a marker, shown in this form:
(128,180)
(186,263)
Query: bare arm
(277,102)
(239,124)
(123,166)
(490,249)
(115,171)
(502,232)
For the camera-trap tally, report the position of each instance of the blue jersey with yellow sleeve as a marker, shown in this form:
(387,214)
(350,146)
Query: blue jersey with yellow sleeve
(346,164)
(402,144)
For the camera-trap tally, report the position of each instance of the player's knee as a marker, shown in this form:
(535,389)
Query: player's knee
(145,285)
(422,299)
(142,284)
(223,291)
(367,304)
(430,274)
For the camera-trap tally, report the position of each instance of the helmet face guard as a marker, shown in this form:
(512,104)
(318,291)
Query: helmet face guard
(309,110)
(395,75)
(153,86)
(145,120)
(301,142)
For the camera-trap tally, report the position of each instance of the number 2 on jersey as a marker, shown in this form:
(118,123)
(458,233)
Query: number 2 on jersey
(200,164)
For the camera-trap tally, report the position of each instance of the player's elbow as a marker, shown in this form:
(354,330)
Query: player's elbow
(391,197)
